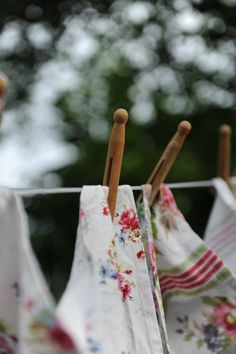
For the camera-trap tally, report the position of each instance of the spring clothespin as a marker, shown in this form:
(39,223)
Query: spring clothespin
(167,159)
(3,88)
(114,157)
(224,159)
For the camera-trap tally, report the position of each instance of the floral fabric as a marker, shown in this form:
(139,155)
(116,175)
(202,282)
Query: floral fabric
(118,266)
(30,322)
(107,306)
(148,241)
(198,291)
(220,233)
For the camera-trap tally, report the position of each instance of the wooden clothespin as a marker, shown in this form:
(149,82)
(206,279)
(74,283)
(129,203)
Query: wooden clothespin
(167,159)
(3,88)
(224,159)
(114,157)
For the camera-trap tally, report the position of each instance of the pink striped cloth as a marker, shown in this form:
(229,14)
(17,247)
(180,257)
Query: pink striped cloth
(220,233)
(199,291)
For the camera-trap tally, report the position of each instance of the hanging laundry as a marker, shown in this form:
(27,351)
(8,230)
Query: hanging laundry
(30,322)
(220,233)
(148,241)
(198,291)
(118,266)
(107,305)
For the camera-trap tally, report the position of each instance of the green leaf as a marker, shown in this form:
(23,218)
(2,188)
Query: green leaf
(200,343)
(4,327)
(189,336)
(227,343)
(224,351)
(154,229)
(211,301)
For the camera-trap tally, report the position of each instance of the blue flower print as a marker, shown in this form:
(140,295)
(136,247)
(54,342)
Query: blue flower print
(106,271)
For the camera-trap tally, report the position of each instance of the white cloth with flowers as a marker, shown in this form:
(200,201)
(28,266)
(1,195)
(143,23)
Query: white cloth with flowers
(30,321)
(118,266)
(198,291)
(220,233)
(107,306)
(148,241)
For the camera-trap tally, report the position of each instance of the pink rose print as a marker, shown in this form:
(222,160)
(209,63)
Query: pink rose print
(141,255)
(113,270)
(125,287)
(129,220)
(166,196)
(128,271)
(167,200)
(106,211)
(225,314)
(60,338)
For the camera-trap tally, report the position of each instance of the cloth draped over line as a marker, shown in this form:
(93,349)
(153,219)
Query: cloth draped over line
(107,305)
(145,218)
(198,290)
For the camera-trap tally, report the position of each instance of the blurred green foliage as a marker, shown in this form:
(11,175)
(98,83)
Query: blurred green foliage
(170,61)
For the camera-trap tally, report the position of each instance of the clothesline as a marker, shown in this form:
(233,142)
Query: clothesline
(69,190)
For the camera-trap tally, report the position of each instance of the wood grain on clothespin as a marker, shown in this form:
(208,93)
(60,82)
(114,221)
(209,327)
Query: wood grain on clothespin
(167,159)
(224,160)
(114,157)
(3,89)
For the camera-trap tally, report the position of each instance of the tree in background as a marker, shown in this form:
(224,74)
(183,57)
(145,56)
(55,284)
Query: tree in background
(71,64)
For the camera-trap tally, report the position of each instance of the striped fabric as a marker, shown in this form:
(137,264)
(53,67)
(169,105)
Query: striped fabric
(192,276)
(198,290)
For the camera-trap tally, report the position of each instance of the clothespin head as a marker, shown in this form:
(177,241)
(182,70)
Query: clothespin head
(167,159)
(114,157)
(224,162)
(3,89)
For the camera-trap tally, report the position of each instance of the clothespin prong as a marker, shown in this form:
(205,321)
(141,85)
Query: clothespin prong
(114,157)
(224,162)
(168,158)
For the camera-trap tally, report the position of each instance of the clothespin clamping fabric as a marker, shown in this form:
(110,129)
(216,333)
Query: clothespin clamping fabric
(224,154)
(167,159)
(114,157)
(3,88)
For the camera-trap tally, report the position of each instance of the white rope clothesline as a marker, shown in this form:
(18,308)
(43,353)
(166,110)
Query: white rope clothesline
(69,190)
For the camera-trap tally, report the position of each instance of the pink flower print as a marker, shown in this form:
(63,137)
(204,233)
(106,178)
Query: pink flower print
(106,211)
(141,255)
(225,314)
(129,220)
(84,219)
(167,200)
(5,347)
(81,213)
(152,255)
(60,338)
(128,271)
(29,304)
(125,287)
